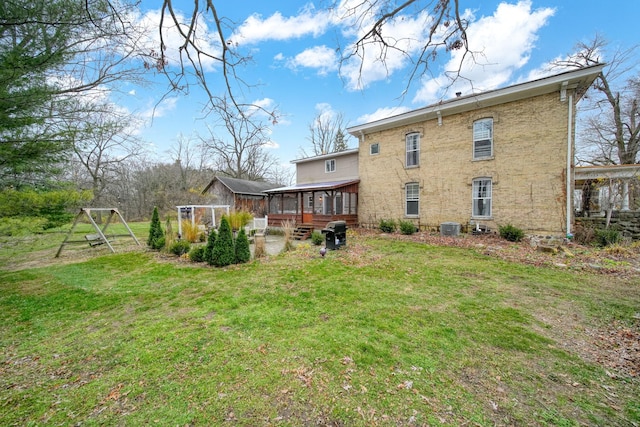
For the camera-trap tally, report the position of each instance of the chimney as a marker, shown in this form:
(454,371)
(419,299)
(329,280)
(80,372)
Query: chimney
(458,94)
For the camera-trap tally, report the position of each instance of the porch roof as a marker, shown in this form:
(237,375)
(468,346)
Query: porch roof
(583,173)
(314,186)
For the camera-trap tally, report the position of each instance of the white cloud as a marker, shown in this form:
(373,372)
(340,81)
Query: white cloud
(322,58)
(256,29)
(406,34)
(382,113)
(502,44)
(162,109)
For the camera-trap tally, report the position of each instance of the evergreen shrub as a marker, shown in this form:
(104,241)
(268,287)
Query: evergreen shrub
(156,235)
(224,253)
(317,238)
(607,237)
(243,252)
(387,226)
(407,227)
(511,233)
(196,254)
(180,247)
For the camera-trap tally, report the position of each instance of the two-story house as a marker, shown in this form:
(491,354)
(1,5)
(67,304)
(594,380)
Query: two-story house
(499,157)
(326,190)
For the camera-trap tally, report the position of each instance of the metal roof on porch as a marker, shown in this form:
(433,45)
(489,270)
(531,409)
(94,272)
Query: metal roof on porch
(315,186)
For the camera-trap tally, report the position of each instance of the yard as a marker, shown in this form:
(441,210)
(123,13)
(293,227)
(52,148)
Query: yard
(386,331)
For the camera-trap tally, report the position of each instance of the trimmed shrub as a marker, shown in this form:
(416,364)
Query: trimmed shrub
(180,247)
(243,253)
(196,254)
(208,249)
(387,226)
(511,233)
(607,237)
(224,253)
(156,235)
(407,227)
(317,238)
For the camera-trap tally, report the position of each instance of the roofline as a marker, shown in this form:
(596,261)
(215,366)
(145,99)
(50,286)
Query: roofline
(262,193)
(315,186)
(326,156)
(606,171)
(580,78)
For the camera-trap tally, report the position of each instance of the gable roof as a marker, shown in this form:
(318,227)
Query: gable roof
(579,79)
(241,186)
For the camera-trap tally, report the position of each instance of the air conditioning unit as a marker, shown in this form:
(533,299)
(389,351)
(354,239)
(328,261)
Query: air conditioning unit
(450,229)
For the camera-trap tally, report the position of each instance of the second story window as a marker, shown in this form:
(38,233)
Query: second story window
(482,139)
(330,165)
(374,149)
(413,149)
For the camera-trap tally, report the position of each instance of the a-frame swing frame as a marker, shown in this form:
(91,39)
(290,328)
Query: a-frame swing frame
(99,237)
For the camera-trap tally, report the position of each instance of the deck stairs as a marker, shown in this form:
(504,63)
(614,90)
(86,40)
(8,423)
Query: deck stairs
(303,231)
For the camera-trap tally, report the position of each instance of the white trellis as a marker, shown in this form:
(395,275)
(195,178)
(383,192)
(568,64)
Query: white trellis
(188,212)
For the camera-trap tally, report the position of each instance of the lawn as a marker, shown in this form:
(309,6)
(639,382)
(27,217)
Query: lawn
(381,332)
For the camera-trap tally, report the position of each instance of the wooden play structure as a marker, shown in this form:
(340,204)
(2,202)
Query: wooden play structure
(100,236)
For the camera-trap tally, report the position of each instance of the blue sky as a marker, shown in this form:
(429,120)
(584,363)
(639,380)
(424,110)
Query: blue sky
(294,63)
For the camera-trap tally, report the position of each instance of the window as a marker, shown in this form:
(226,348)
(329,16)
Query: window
(412,196)
(374,149)
(413,149)
(482,197)
(330,165)
(483,138)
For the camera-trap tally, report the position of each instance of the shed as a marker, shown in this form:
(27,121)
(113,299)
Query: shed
(240,194)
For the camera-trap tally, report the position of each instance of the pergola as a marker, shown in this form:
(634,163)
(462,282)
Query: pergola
(622,174)
(190,212)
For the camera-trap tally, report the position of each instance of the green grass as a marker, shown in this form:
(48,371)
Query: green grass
(380,333)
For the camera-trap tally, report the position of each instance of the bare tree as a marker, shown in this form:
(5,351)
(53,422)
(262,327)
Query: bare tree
(191,158)
(240,151)
(102,141)
(611,132)
(446,30)
(326,134)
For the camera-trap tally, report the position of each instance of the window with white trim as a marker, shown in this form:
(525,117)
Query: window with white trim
(412,199)
(482,138)
(481,198)
(413,149)
(330,165)
(374,149)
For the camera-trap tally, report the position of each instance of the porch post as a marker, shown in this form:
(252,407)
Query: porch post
(625,195)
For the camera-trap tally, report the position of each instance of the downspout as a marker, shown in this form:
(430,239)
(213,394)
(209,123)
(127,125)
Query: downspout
(569,162)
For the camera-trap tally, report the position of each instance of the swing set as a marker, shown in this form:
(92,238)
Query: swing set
(100,236)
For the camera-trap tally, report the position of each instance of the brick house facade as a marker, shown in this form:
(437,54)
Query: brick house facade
(490,159)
